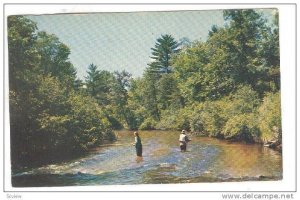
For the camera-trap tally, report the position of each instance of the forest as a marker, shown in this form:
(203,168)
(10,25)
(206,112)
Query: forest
(227,87)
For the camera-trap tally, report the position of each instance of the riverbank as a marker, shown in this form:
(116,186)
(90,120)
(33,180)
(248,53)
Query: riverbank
(276,145)
(273,144)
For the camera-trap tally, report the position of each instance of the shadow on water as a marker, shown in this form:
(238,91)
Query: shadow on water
(207,160)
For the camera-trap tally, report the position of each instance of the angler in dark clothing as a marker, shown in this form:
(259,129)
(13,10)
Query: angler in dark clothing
(138,144)
(183,140)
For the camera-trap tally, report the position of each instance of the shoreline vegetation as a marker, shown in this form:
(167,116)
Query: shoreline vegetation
(226,87)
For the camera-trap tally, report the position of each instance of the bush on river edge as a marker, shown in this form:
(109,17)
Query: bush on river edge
(239,116)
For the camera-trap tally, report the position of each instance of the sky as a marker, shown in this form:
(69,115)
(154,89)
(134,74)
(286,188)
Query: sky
(123,41)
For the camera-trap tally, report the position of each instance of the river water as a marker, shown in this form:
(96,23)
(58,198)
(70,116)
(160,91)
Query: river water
(206,160)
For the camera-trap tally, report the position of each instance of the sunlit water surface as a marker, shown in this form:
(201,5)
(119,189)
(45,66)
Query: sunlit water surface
(206,160)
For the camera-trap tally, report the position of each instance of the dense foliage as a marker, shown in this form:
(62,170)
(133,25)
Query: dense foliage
(51,117)
(227,86)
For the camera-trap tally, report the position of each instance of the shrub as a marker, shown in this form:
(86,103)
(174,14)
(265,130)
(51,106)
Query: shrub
(88,124)
(270,117)
(242,127)
(148,124)
(208,117)
(174,120)
(232,116)
(244,100)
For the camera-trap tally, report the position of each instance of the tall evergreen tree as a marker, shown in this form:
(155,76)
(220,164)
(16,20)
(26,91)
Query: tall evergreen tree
(165,46)
(91,79)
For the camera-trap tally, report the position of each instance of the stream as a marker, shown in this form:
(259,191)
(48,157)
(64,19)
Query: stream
(206,160)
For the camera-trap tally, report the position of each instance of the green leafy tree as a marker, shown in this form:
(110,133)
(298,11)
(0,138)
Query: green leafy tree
(136,100)
(55,58)
(99,83)
(22,54)
(150,96)
(270,55)
(168,94)
(119,99)
(189,72)
(246,29)
(23,61)
(50,120)
(143,101)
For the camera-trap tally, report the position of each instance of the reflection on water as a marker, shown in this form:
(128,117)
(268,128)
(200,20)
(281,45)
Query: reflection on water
(206,160)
